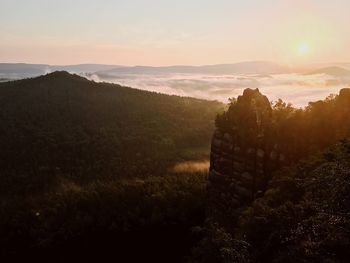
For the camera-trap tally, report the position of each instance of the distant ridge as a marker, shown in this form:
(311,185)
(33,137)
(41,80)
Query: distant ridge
(332,71)
(251,67)
(23,70)
(13,71)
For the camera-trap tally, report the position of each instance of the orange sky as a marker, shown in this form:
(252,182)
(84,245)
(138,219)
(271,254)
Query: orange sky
(154,32)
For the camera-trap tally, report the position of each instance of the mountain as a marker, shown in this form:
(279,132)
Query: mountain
(88,174)
(22,68)
(116,130)
(254,67)
(13,71)
(83,68)
(332,71)
(87,170)
(315,66)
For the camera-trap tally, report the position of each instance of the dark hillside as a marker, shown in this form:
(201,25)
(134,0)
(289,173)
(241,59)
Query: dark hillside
(62,123)
(88,165)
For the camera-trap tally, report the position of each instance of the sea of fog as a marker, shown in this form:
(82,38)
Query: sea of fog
(298,89)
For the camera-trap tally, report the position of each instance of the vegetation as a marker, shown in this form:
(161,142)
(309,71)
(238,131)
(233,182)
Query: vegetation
(65,124)
(87,164)
(91,171)
(104,219)
(298,133)
(303,214)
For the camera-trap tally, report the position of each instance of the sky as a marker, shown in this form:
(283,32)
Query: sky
(181,32)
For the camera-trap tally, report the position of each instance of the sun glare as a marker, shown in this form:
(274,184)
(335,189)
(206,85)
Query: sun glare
(303,48)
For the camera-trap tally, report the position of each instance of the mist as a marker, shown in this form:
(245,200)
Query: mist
(298,89)
(191,167)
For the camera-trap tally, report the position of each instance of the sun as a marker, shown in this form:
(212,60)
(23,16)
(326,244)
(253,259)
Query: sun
(303,48)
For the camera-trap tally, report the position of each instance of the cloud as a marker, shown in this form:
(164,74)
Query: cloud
(298,89)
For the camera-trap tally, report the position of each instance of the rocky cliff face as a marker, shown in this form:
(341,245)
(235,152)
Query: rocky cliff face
(243,156)
(265,204)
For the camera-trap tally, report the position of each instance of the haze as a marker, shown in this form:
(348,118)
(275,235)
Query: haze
(154,32)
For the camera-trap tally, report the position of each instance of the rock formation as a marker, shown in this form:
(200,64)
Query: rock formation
(243,156)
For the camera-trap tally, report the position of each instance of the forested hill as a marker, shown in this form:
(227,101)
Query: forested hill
(67,124)
(86,171)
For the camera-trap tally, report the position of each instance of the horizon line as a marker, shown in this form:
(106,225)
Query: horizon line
(179,65)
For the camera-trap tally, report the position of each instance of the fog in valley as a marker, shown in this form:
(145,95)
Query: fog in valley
(296,88)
